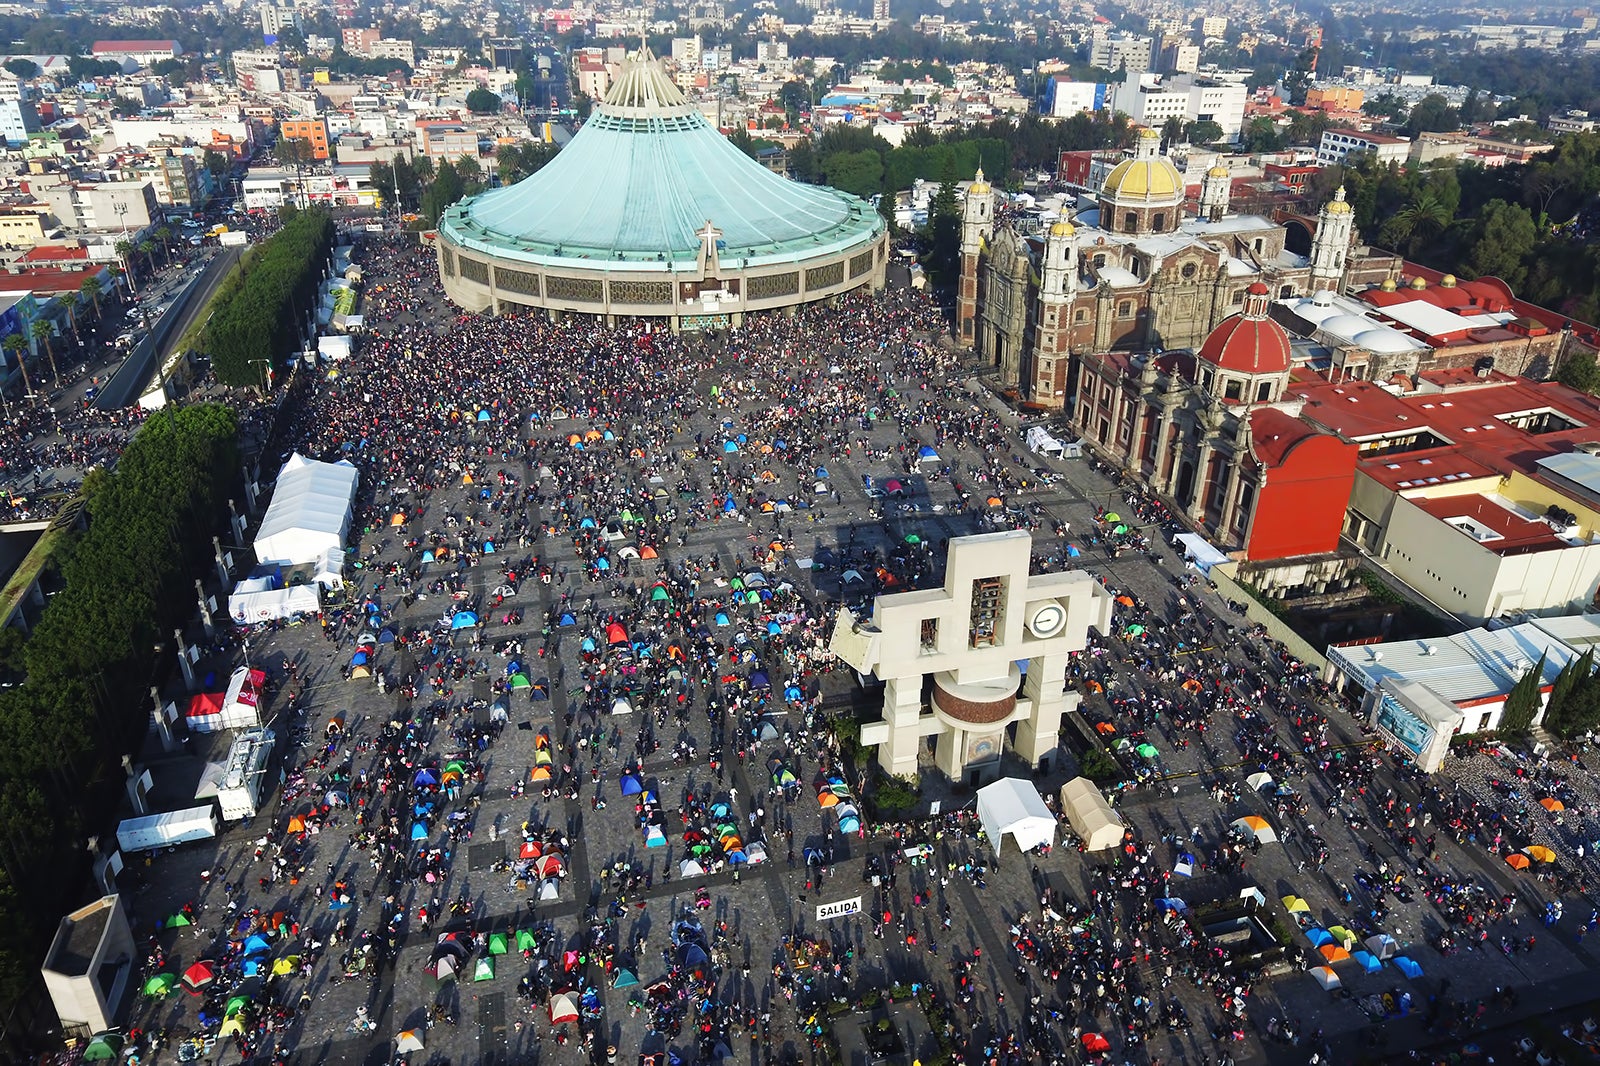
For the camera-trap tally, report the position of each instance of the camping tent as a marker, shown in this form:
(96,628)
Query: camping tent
(562,1009)
(1201,552)
(1040,442)
(310,511)
(1012,805)
(330,569)
(248,608)
(1090,816)
(205,713)
(409,1040)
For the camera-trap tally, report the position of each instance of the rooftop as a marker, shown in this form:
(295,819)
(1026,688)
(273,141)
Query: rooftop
(1494,523)
(1468,668)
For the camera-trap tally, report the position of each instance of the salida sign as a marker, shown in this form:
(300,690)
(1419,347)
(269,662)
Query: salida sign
(838,909)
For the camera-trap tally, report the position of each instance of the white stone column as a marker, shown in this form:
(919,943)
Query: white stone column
(902,707)
(1046,687)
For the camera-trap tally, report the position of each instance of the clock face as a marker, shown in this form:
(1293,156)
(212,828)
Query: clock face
(1047,620)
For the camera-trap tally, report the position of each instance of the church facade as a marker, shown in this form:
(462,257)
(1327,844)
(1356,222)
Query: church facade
(1135,274)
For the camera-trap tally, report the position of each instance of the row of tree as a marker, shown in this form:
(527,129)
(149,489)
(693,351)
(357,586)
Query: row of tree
(77,698)
(1572,709)
(259,310)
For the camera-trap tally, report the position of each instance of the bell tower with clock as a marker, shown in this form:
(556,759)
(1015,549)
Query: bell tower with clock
(949,658)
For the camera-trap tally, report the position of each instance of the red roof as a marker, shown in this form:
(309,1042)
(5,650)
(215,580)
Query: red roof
(1515,535)
(135,46)
(46,280)
(54,253)
(1273,435)
(1249,343)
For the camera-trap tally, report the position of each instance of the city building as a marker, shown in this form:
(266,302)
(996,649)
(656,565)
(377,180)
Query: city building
(1570,122)
(880,10)
(1152,99)
(1335,99)
(1063,96)
(649,211)
(1337,144)
(141,53)
(995,642)
(275,18)
(358,40)
(92,967)
(314,131)
(1130,54)
(19,115)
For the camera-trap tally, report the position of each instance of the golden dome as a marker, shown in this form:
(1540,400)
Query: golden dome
(1448,281)
(1154,179)
(1062,228)
(1388,285)
(1419,282)
(1337,205)
(1217,171)
(979,187)
(1148,134)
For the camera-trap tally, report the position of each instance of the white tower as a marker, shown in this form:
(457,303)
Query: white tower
(977,222)
(1331,243)
(1058,274)
(1214,194)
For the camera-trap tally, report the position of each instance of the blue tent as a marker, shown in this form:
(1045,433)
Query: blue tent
(1072,551)
(793,694)
(742,439)
(251,967)
(759,679)
(729,446)
(737,857)
(729,505)
(587,645)
(488,547)
(419,831)
(602,563)
(358,659)
(513,667)
(463,620)
(1407,967)
(567,620)
(773,629)
(1318,937)
(608,435)
(427,556)
(926,452)
(483,416)
(386,637)
(1369,962)
(631,785)
(1170,903)
(691,954)
(425,777)
(587,523)
(822,471)
(257,945)
(780,444)
(721,619)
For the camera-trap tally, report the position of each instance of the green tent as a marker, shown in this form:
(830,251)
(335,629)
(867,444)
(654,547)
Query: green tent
(1113,517)
(660,593)
(484,971)
(1119,528)
(179,920)
(105,1048)
(497,943)
(912,538)
(160,984)
(235,1005)
(520,681)
(455,766)
(737,584)
(751,597)
(1135,630)
(525,940)
(624,979)
(1148,751)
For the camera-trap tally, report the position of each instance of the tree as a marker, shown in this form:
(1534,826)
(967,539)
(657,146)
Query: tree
(1418,223)
(944,234)
(1522,702)
(858,173)
(382,177)
(1506,238)
(91,289)
(1204,132)
(1574,674)
(1172,132)
(17,345)
(126,107)
(1261,135)
(71,301)
(1432,114)
(445,189)
(217,163)
(44,331)
(742,140)
(164,236)
(481,101)
(24,69)
(1580,371)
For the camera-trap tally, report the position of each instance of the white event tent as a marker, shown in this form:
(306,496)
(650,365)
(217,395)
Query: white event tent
(1012,805)
(310,512)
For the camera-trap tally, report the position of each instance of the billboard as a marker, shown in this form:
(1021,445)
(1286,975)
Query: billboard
(1402,726)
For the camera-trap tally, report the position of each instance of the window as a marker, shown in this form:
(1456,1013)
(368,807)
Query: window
(1125,309)
(1233,390)
(1130,222)
(1286,292)
(1238,297)
(988,611)
(930,635)
(1099,262)
(1159,222)
(1189,270)
(1080,315)
(1264,392)
(1208,380)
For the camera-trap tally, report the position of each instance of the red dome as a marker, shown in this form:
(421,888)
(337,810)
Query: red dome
(1248,344)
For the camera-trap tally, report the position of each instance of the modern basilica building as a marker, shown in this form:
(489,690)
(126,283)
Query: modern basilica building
(650,212)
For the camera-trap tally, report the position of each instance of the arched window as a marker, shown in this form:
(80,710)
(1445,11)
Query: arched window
(1159,223)
(1130,222)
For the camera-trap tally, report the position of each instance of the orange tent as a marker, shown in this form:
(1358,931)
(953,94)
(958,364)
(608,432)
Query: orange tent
(1517,861)
(1095,686)
(827,799)
(1126,601)
(1105,729)
(398,519)
(647,552)
(540,773)
(1334,953)
(297,824)
(466,479)
(1551,804)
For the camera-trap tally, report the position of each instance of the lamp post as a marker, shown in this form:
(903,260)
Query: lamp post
(120,209)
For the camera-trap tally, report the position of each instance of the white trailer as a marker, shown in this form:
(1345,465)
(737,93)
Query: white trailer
(163,830)
(244,775)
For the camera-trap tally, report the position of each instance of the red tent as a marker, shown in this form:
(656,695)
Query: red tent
(615,634)
(205,712)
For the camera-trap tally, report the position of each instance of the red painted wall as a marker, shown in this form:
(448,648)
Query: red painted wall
(1301,509)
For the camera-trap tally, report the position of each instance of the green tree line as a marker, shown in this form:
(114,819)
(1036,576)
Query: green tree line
(258,312)
(85,670)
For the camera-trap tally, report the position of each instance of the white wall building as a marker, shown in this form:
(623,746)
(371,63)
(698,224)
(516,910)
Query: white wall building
(1337,144)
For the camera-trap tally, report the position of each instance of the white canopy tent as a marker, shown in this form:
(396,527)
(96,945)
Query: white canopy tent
(1041,442)
(1091,817)
(1201,552)
(1012,805)
(330,569)
(248,608)
(310,511)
